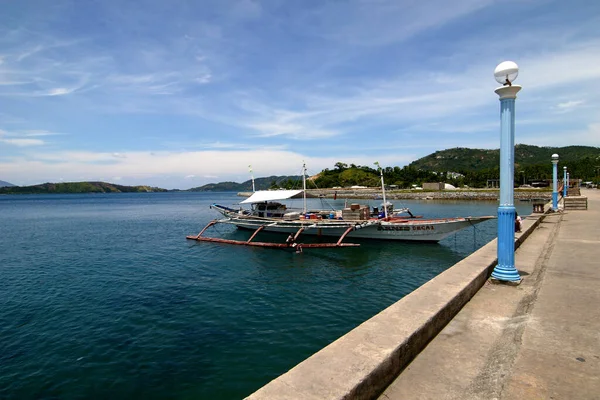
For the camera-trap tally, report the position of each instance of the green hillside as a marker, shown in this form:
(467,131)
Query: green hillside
(464,159)
(77,187)
(474,167)
(259,183)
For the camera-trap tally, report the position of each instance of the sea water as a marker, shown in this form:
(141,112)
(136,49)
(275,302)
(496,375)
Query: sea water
(101,295)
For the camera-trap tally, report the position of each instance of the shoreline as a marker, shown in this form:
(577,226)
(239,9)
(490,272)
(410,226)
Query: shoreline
(459,194)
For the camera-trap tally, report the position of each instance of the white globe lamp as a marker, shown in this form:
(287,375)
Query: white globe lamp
(506,72)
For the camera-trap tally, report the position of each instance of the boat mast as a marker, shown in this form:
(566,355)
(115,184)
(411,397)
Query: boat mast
(304,185)
(382,189)
(252,175)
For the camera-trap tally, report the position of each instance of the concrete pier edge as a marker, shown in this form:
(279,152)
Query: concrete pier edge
(362,363)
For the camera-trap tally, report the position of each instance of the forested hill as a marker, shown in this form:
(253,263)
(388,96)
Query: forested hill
(463,159)
(5,184)
(77,187)
(259,183)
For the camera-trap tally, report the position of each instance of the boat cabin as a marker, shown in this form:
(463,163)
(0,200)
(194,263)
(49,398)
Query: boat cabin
(269,209)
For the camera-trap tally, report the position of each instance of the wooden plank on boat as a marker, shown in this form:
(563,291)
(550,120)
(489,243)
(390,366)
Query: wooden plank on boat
(298,233)
(260,228)
(350,229)
(273,245)
(211,223)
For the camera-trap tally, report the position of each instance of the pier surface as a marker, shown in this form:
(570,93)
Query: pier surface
(538,340)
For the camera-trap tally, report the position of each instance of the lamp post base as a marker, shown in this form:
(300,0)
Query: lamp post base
(555,201)
(505,270)
(506,273)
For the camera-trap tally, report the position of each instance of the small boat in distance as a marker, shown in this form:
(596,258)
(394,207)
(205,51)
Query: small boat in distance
(268,213)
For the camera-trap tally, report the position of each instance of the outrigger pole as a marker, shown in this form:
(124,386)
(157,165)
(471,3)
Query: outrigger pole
(249,242)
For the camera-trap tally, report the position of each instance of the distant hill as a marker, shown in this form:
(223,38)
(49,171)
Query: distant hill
(77,187)
(259,183)
(5,184)
(464,159)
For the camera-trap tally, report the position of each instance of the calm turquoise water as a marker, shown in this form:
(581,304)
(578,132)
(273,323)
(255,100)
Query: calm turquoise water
(101,296)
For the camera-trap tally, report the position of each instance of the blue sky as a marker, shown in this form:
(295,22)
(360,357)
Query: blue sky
(181,93)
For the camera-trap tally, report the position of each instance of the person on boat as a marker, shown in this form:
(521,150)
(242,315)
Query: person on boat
(290,241)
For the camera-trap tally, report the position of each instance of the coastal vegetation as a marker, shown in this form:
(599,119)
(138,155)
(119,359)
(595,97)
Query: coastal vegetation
(77,187)
(469,167)
(458,167)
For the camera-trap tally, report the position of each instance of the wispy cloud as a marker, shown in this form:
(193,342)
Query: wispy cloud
(22,142)
(38,132)
(383,22)
(569,105)
(24,138)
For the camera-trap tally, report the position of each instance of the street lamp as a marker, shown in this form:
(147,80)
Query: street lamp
(565,184)
(554,182)
(505,73)
(568,178)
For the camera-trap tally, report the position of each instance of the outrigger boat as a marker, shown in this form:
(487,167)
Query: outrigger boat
(268,214)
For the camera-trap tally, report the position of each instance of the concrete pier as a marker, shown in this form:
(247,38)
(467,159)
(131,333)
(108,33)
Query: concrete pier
(461,337)
(538,340)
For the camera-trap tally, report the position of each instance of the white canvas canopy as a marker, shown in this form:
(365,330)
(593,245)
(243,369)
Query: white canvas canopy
(269,195)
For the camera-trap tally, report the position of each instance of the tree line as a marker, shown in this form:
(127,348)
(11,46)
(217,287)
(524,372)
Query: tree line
(345,175)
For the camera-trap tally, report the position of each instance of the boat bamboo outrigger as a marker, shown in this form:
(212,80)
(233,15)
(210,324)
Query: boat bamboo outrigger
(268,214)
(288,244)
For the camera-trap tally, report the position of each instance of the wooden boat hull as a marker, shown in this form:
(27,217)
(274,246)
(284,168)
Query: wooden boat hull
(409,229)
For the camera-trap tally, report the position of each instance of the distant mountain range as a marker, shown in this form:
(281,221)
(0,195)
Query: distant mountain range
(464,159)
(531,162)
(5,184)
(259,184)
(77,187)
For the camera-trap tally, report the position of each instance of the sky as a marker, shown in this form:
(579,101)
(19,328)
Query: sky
(180,93)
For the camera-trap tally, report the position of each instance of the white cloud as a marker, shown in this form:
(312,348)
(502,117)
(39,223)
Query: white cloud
(146,168)
(569,105)
(23,142)
(38,132)
(59,91)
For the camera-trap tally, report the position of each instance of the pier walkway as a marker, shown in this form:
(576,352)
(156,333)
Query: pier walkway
(538,340)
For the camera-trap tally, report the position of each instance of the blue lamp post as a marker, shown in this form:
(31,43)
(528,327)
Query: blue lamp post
(568,179)
(565,184)
(554,182)
(505,270)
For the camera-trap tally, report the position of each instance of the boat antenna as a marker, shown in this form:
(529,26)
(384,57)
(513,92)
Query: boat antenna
(304,184)
(252,175)
(382,189)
